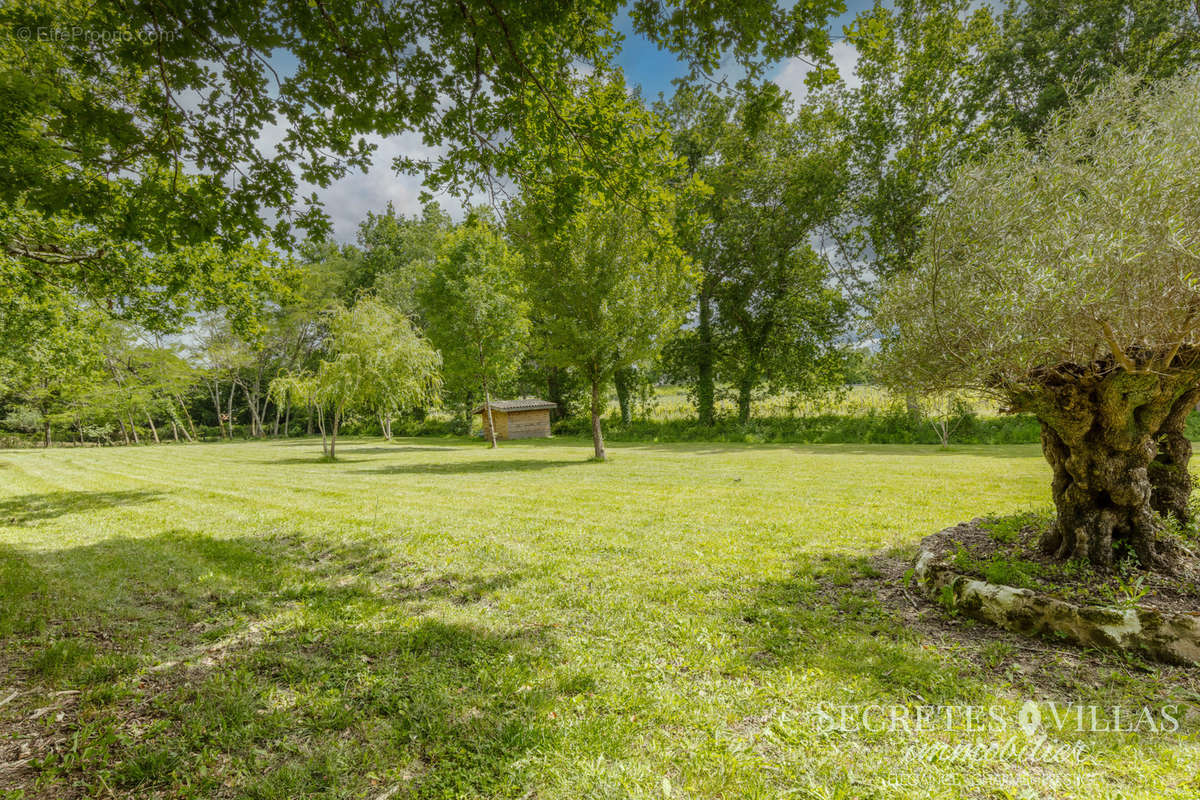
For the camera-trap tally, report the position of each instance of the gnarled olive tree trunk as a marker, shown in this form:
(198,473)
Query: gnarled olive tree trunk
(1114,439)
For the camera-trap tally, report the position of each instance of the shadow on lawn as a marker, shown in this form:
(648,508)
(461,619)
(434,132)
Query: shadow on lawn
(850,616)
(27,508)
(467,467)
(271,667)
(818,618)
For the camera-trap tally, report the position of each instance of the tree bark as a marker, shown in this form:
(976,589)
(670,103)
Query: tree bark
(745,395)
(621,380)
(191,426)
(597,435)
(1101,430)
(556,393)
(487,409)
(215,390)
(153,430)
(705,388)
(46,437)
(1170,480)
(229,412)
(337,418)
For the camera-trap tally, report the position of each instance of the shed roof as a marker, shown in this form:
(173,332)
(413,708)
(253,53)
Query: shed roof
(523,404)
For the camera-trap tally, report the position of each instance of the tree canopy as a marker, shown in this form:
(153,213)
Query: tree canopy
(1061,278)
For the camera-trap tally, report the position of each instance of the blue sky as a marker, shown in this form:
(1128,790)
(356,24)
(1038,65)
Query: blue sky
(348,200)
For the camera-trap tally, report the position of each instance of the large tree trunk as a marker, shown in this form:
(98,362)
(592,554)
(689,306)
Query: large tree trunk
(705,388)
(597,435)
(1170,480)
(1101,431)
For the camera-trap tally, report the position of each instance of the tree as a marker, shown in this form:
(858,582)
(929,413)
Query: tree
(913,120)
(49,354)
(1059,277)
(475,312)
(377,363)
(398,253)
(1050,50)
(113,152)
(774,182)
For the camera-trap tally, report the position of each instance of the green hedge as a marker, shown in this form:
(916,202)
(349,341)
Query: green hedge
(871,428)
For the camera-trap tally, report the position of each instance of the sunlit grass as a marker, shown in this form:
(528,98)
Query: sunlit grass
(439,620)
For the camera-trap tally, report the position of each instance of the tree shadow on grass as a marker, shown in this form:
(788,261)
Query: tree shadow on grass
(277,666)
(853,617)
(37,507)
(498,465)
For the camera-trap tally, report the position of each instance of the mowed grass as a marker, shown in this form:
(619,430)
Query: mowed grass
(438,620)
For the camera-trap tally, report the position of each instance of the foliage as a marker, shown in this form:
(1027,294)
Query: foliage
(1050,51)
(376,362)
(773,177)
(136,131)
(607,283)
(889,426)
(475,312)
(911,122)
(1086,248)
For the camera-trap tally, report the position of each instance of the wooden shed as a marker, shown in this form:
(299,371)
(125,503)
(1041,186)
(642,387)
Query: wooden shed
(526,418)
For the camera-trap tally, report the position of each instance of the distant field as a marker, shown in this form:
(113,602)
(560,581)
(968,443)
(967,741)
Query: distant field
(673,402)
(437,620)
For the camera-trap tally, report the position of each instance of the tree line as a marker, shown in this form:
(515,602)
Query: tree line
(729,237)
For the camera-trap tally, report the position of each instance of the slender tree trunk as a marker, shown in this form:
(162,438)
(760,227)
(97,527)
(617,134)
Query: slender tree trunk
(555,393)
(621,380)
(133,429)
(153,429)
(337,418)
(597,434)
(256,428)
(190,431)
(1101,430)
(308,425)
(215,390)
(174,431)
(124,432)
(705,389)
(287,418)
(745,396)
(487,409)
(46,432)
(229,407)
(321,425)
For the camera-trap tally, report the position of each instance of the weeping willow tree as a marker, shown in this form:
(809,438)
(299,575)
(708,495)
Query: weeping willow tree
(1061,277)
(377,363)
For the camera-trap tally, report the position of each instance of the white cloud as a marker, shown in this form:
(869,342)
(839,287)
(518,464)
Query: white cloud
(791,75)
(348,200)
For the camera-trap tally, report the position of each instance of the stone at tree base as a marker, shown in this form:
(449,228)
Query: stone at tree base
(1172,637)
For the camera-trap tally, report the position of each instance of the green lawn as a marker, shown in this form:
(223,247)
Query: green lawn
(434,619)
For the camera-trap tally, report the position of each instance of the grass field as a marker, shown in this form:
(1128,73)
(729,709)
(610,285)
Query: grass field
(442,621)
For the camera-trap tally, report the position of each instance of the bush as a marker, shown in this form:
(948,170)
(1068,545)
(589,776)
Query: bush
(887,427)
